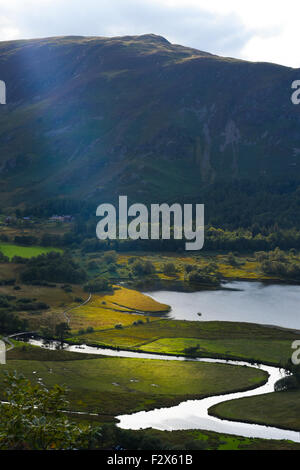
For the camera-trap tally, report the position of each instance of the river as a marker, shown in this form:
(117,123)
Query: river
(193,414)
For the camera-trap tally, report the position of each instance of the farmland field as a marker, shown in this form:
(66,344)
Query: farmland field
(11,250)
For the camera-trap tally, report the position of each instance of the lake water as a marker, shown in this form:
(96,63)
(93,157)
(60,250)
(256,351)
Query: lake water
(252,302)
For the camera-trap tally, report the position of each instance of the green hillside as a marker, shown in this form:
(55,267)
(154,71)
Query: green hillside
(91,118)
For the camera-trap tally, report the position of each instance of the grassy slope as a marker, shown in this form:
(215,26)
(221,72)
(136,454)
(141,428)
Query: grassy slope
(57,299)
(134,300)
(280,409)
(107,310)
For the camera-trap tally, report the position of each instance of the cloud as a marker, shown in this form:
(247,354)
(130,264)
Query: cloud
(250,29)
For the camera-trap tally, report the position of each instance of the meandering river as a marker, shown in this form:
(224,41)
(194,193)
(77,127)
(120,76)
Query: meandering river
(251,302)
(193,414)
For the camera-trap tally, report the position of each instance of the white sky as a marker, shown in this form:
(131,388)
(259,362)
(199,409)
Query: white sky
(258,30)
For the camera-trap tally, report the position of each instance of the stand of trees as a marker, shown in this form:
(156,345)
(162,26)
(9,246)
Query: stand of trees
(53,267)
(279,263)
(11,323)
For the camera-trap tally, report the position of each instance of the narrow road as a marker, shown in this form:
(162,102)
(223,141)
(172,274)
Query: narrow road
(65,313)
(7,340)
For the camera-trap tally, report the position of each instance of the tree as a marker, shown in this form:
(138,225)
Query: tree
(169,269)
(53,267)
(143,268)
(110,257)
(98,285)
(232,260)
(3,258)
(62,331)
(34,420)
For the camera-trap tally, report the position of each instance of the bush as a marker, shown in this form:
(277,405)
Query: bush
(36,422)
(92,265)
(25,240)
(32,306)
(98,285)
(143,268)
(112,268)
(286,383)
(232,260)
(19,260)
(89,329)
(110,257)
(3,258)
(189,268)
(192,350)
(169,269)
(7,282)
(67,289)
(202,277)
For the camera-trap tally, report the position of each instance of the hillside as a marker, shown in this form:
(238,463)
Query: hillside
(91,118)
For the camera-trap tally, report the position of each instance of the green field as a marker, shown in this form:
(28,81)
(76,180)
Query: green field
(193,440)
(258,350)
(215,339)
(11,250)
(281,409)
(111,385)
(104,385)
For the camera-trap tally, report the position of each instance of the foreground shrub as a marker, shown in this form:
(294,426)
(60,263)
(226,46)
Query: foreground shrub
(34,420)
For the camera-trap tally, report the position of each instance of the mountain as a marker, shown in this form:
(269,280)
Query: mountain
(93,117)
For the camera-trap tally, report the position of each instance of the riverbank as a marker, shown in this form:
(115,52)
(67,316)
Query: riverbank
(280,409)
(226,340)
(112,385)
(197,411)
(150,438)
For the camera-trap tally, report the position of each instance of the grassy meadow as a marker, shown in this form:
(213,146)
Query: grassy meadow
(280,409)
(11,250)
(123,307)
(111,385)
(211,339)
